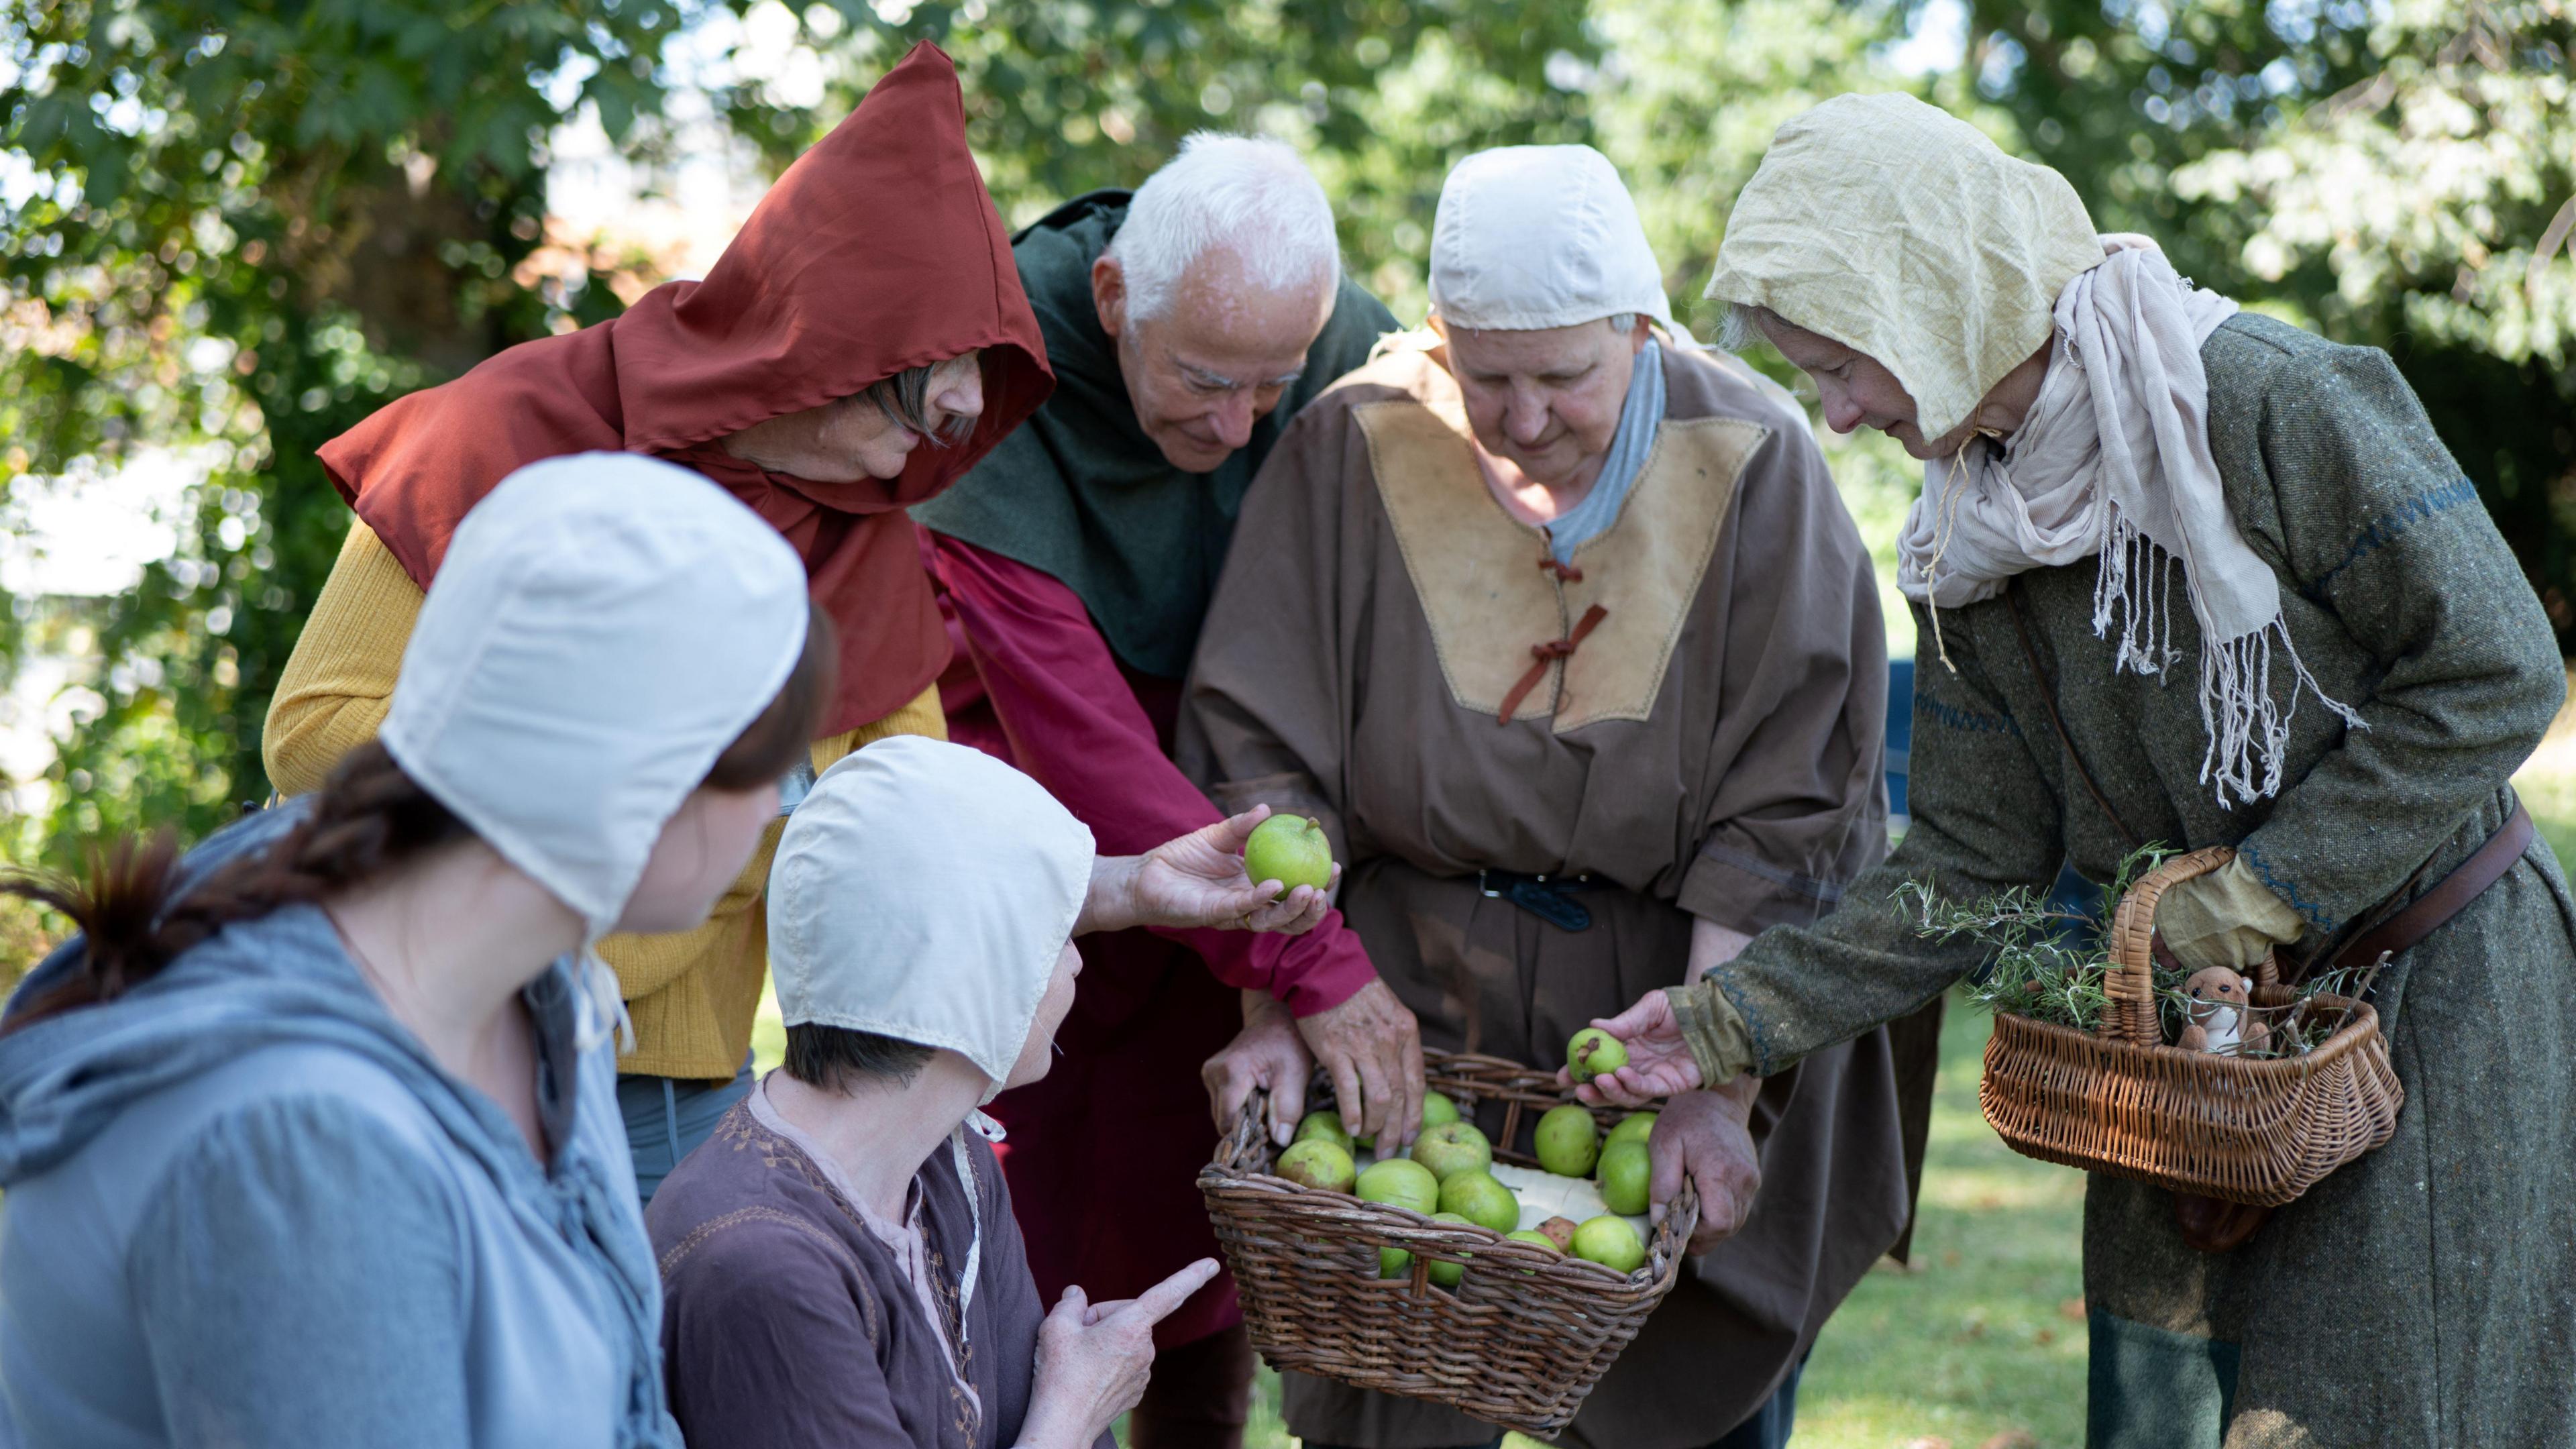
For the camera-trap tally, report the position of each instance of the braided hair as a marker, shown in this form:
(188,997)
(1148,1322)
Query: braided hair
(368,820)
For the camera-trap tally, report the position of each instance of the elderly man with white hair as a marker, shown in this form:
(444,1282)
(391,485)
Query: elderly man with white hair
(1558,625)
(1186,324)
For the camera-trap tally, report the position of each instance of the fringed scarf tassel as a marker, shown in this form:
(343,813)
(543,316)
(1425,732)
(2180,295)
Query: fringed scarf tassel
(2248,730)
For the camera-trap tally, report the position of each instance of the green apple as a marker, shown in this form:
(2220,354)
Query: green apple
(1437,1108)
(1625,1174)
(1290,849)
(1610,1242)
(1452,1148)
(1635,1127)
(1326,1125)
(1568,1140)
(1401,1182)
(1592,1052)
(1317,1163)
(1393,1262)
(1448,1274)
(1481,1200)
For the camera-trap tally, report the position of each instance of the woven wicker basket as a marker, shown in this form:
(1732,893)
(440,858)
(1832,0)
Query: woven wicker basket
(1519,1341)
(2122,1102)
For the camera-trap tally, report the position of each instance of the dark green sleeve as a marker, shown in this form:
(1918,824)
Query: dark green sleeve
(1983,821)
(2381,528)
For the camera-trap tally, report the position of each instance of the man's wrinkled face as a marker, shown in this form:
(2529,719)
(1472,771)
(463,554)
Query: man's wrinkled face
(1547,401)
(1214,361)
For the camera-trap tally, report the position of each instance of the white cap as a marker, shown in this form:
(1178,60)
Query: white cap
(602,628)
(923,891)
(1529,237)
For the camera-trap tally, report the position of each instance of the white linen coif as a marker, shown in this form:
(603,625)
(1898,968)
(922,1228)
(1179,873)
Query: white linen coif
(1531,237)
(602,628)
(923,891)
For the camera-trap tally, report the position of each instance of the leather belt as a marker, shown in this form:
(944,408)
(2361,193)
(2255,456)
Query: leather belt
(1543,896)
(2429,911)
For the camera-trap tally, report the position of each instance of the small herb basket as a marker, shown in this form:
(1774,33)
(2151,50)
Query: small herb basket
(2120,1101)
(1522,1338)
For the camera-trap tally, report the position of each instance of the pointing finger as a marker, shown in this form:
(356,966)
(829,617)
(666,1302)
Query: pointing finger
(1158,1302)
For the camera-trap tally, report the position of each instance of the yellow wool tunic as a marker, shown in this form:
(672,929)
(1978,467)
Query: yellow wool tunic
(692,993)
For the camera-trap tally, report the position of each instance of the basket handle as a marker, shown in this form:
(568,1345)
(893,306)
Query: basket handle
(2130,983)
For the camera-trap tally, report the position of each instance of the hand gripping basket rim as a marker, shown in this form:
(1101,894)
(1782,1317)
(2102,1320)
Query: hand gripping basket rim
(1518,1343)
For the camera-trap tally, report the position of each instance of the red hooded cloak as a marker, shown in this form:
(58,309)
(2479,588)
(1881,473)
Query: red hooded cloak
(878,250)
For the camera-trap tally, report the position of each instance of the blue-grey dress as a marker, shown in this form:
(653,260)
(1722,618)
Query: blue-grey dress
(244,1206)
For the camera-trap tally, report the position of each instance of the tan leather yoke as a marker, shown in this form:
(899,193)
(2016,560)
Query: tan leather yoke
(1478,573)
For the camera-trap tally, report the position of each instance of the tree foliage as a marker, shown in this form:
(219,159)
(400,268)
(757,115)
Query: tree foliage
(244,224)
(2385,174)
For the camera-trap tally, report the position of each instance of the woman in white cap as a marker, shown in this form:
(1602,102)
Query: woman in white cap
(840,1261)
(311,1136)
(2189,575)
(1557,623)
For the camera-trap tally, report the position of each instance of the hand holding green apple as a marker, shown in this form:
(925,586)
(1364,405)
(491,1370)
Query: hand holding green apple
(1199,880)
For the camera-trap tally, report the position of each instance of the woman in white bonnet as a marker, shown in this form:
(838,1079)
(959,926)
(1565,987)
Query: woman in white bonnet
(840,1261)
(311,1137)
(2185,574)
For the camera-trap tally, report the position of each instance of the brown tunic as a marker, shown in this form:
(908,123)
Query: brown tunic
(1712,747)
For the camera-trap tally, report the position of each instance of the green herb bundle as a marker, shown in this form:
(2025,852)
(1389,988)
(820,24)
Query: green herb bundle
(2046,963)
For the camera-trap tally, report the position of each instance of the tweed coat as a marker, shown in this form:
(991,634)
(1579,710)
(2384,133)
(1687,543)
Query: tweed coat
(2424,1296)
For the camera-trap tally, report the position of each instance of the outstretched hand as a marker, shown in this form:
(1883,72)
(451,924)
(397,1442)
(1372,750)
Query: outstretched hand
(1197,880)
(1659,1061)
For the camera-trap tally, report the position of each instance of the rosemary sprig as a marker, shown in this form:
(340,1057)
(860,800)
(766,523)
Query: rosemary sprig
(2050,964)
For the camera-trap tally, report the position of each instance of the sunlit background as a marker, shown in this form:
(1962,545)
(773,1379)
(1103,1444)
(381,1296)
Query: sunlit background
(229,231)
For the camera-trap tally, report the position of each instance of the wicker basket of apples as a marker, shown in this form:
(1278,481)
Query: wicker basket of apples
(1498,1269)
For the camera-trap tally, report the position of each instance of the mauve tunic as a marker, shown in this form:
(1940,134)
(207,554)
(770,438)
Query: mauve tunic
(1711,749)
(788,1324)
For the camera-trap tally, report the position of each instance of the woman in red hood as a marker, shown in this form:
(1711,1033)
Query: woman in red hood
(858,347)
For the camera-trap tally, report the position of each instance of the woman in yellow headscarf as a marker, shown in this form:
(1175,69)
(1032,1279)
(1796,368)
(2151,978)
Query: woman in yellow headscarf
(2192,576)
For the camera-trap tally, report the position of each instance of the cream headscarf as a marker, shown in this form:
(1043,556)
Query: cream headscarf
(602,628)
(1903,233)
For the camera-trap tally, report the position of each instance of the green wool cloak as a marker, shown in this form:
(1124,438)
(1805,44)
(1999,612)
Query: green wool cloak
(2423,1297)
(1080,493)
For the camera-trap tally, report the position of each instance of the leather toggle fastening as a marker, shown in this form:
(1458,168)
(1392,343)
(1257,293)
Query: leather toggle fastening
(1549,652)
(1565,573)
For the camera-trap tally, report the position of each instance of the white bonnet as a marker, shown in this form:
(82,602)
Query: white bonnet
(923,891)
(1531,237)
(602,628)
